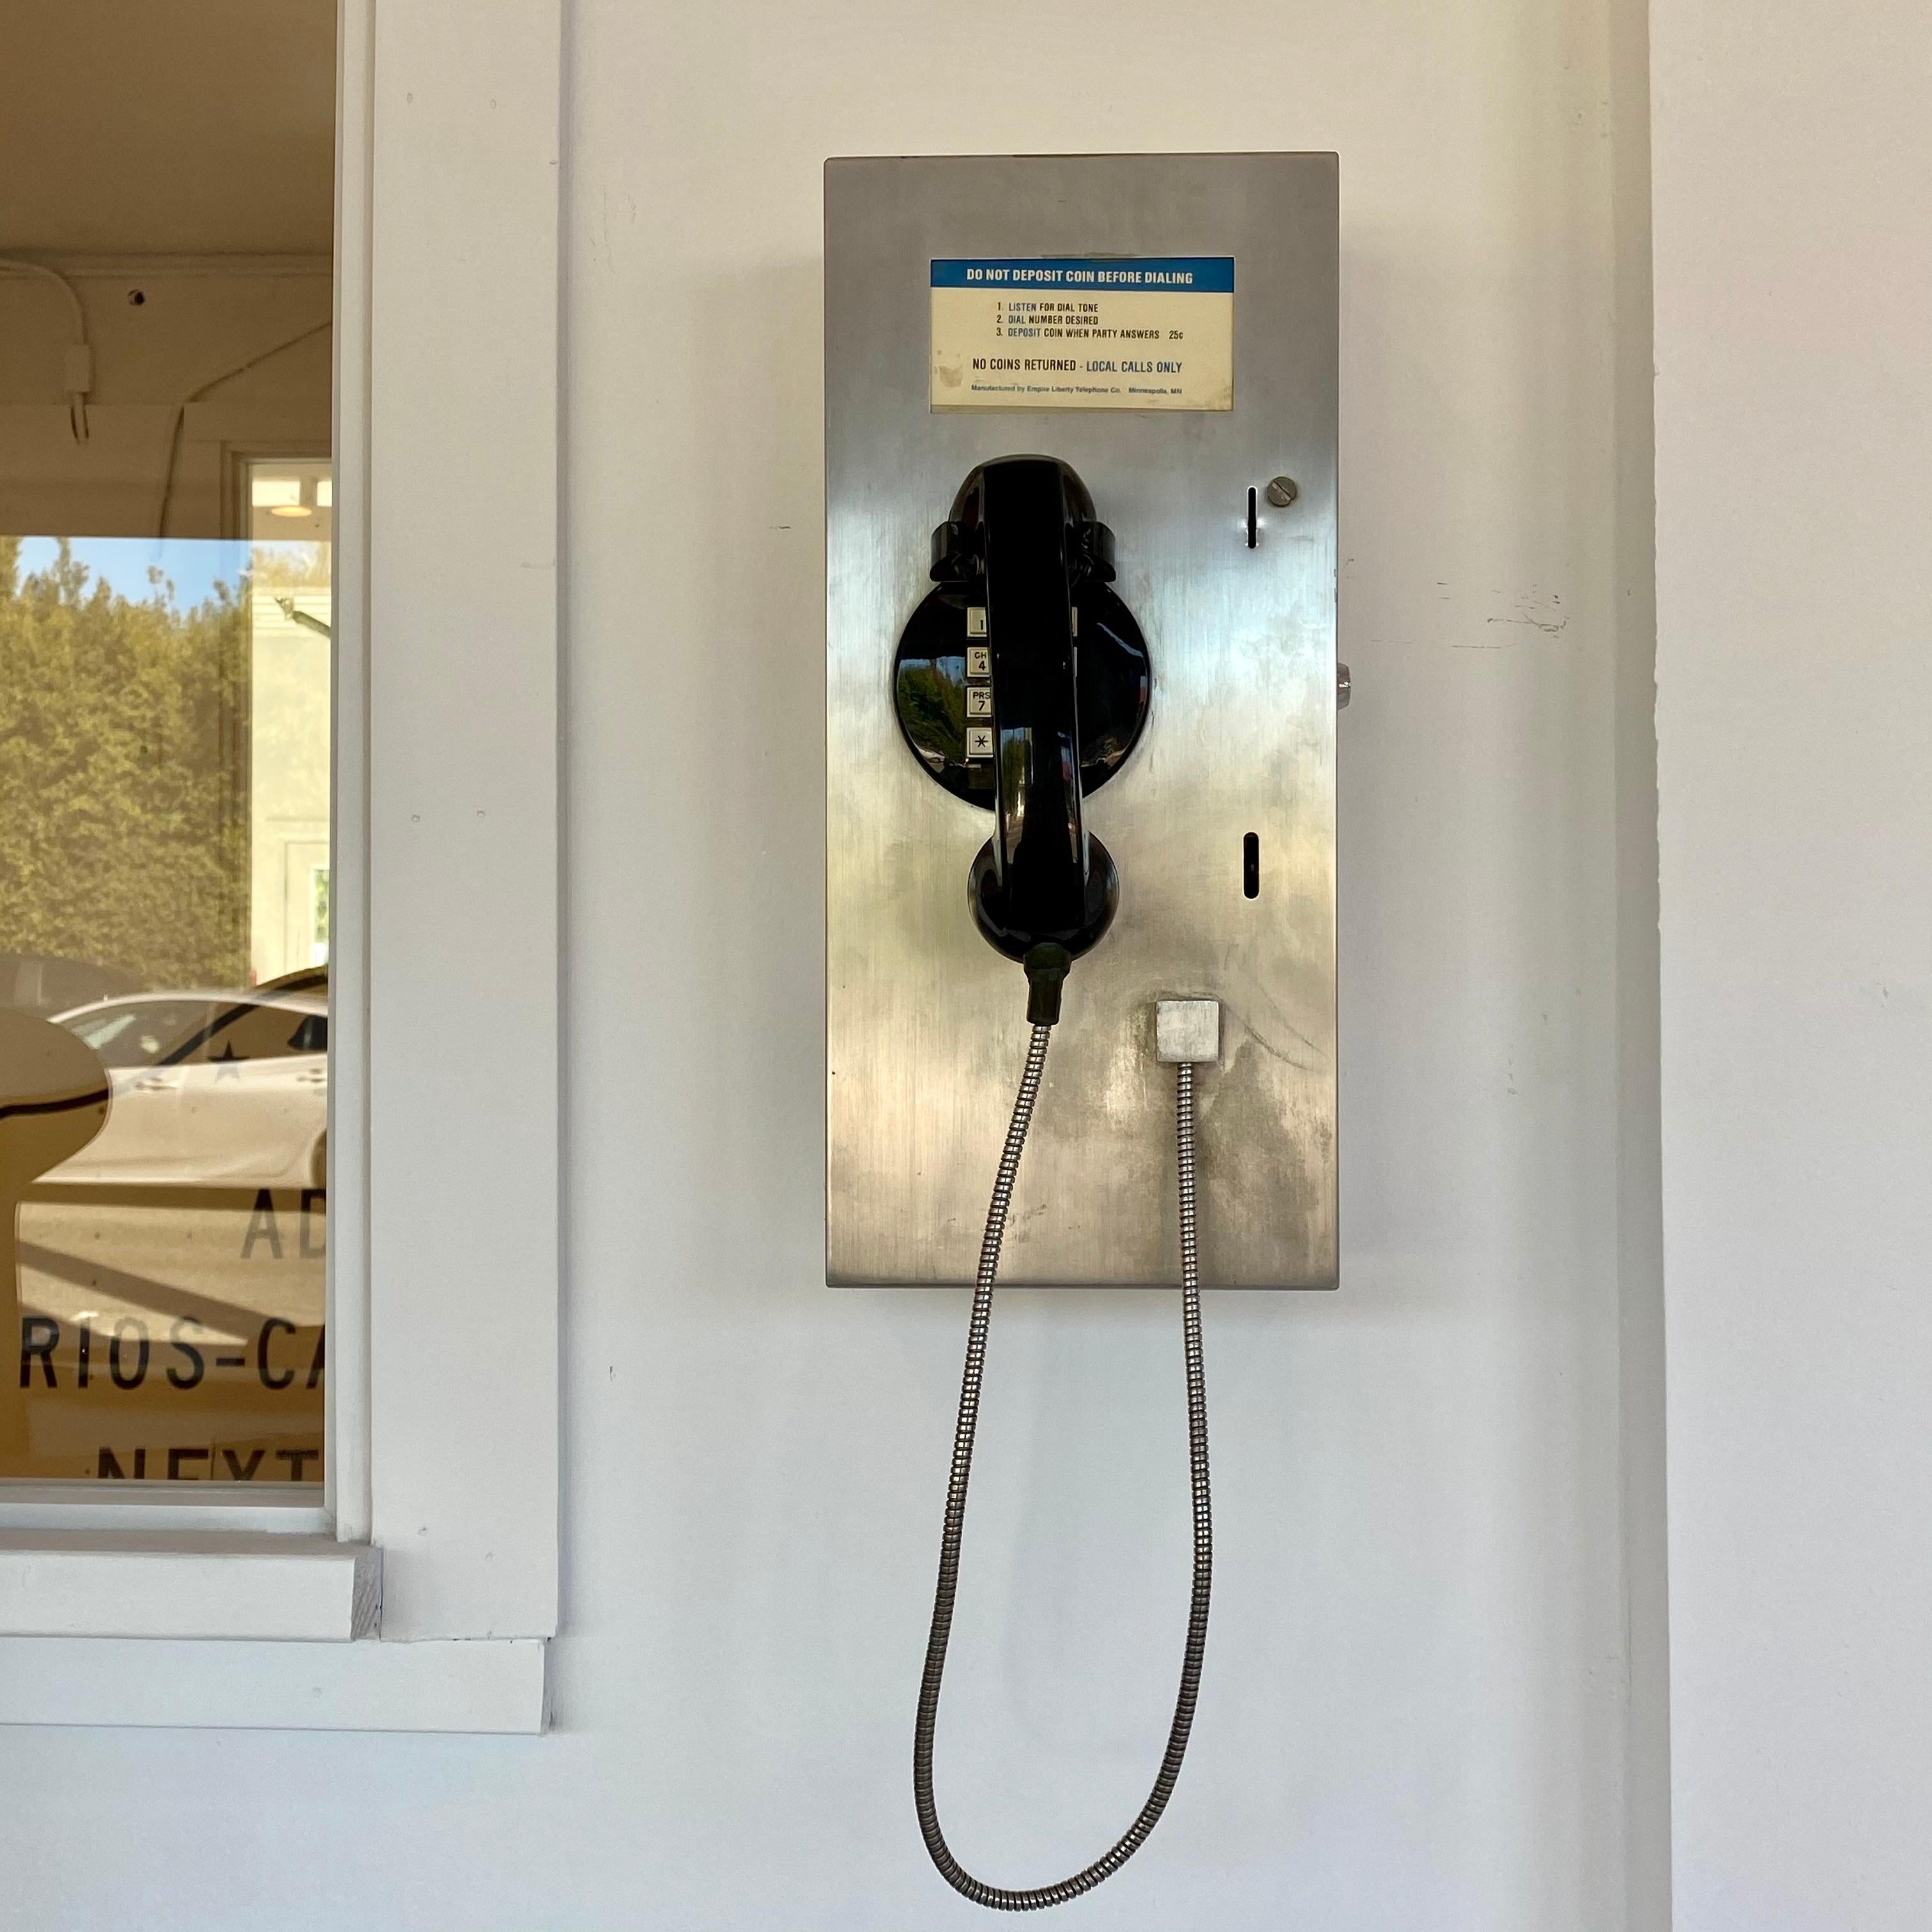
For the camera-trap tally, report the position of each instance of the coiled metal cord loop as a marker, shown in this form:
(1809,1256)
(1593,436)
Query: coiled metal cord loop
(997,1897)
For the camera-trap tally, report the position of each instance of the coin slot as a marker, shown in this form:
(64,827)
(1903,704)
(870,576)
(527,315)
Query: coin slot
(1251,866)
(1251,543)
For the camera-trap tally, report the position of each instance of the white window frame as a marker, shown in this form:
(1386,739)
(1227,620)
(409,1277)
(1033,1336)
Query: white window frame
(420,1594)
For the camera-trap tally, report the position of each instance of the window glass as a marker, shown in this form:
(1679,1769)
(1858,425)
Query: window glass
(253,1029)
(135,1033)
(167,508)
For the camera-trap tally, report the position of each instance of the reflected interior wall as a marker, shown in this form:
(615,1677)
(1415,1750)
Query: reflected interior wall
(197,317)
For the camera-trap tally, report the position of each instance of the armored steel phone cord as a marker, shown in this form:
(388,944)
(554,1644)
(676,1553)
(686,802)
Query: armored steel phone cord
(1033,1897)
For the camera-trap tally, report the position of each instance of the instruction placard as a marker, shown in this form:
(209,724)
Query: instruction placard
(1132,332)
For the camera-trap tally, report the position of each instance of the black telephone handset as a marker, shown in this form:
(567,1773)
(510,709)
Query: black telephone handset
(1022,684)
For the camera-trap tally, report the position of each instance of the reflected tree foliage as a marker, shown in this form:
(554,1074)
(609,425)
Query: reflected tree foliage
(123,775)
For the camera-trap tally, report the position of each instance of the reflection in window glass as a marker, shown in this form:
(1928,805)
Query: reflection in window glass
(166,520)
(163,868)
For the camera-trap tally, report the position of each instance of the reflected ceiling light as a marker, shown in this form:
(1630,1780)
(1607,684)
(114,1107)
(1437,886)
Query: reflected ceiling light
(287,510)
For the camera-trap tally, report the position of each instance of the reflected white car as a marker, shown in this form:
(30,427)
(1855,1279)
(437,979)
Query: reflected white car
(210,1090)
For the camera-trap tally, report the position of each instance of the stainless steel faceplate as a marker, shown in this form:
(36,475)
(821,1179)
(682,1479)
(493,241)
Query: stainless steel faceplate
(926,1023)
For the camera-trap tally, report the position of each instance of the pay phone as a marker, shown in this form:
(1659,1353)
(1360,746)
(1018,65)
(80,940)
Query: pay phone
(1081,703)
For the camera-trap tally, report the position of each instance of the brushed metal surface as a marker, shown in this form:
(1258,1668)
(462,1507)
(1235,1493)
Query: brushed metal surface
(926,1023)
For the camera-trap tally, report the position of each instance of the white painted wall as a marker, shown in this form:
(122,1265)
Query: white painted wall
(1794,311)
(1417,1710)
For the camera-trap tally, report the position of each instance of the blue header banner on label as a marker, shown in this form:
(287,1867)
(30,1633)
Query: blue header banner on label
(1170,274)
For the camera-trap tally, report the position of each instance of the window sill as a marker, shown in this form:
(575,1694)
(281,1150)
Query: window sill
(235,1629)
(208,1584)
(282,1509)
